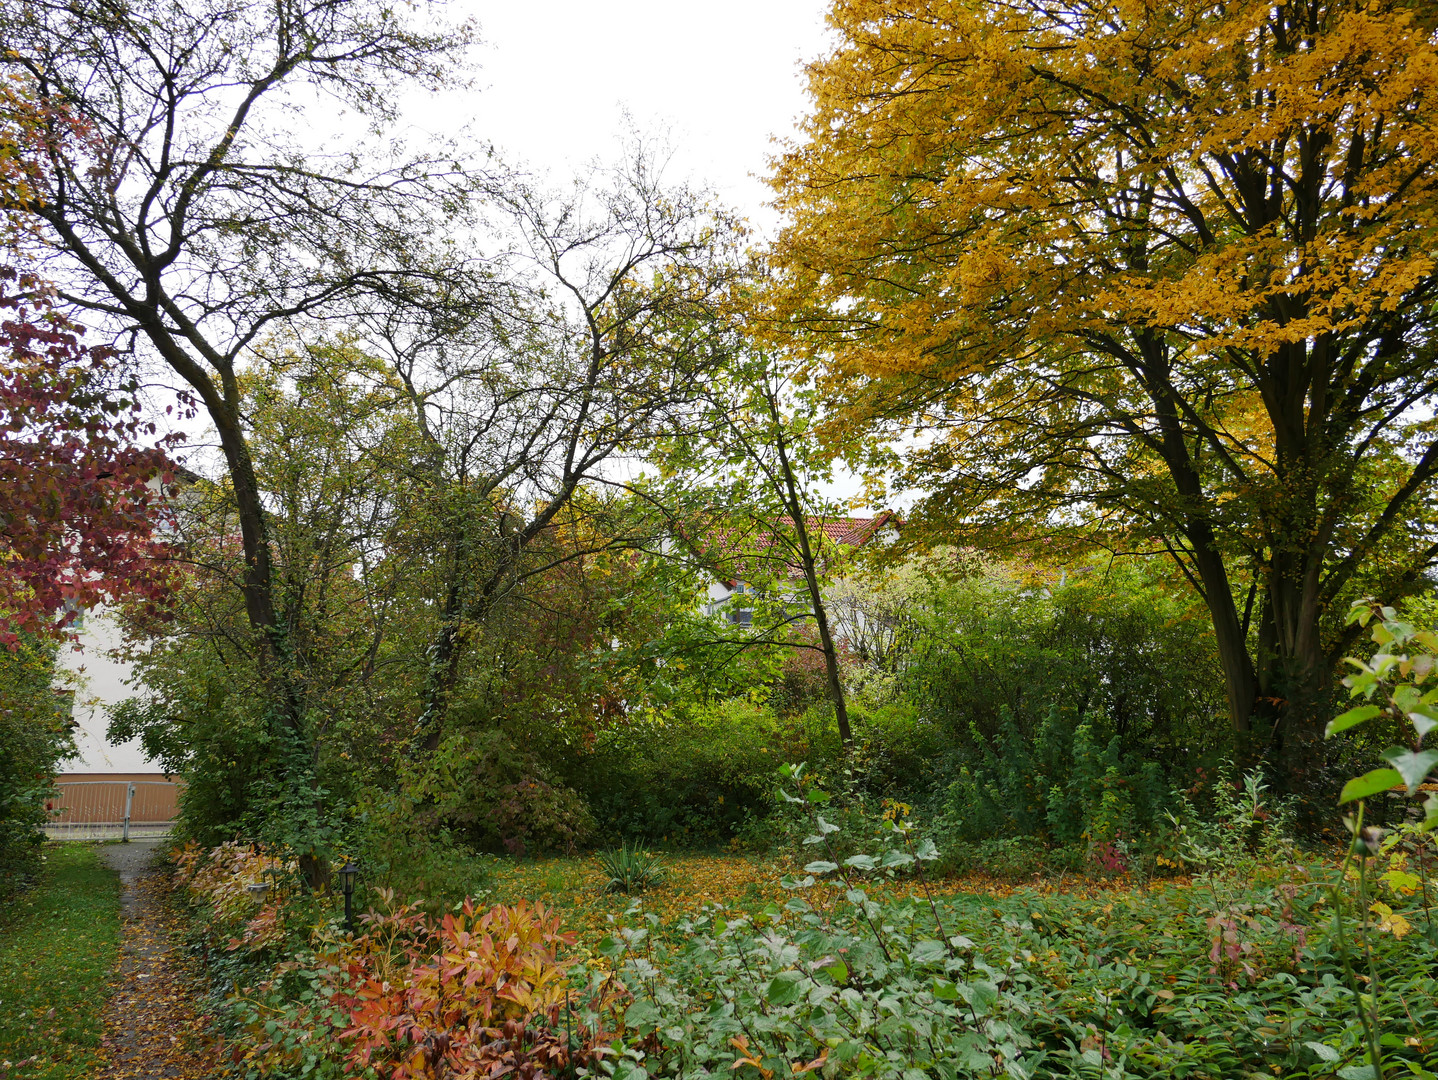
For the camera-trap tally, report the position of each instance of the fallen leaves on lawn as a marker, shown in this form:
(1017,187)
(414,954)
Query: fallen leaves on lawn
(575,887)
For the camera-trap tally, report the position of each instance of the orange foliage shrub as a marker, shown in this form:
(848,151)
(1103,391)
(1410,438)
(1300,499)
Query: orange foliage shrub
(220,878)
(493,1000)
(477,995)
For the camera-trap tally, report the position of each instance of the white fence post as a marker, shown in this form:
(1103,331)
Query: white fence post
(129,799)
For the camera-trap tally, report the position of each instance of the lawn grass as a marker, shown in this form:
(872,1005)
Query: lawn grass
(56,957)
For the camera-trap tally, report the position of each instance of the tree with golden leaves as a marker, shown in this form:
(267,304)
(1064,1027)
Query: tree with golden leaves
(1151,275)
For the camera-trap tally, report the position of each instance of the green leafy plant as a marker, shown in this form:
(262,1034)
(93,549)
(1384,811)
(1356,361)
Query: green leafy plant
(1235,977)
(1398,684)
(1246,823)
(630,870)
(34,739)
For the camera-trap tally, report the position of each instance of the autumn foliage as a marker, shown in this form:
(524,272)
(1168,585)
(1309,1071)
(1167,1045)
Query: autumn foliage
(81,497)
(476,994)
(493,1000)
(80,493)
(1151,277)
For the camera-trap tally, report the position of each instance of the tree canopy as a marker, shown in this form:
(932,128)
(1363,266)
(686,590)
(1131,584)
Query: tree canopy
(81,468)
(1148,276)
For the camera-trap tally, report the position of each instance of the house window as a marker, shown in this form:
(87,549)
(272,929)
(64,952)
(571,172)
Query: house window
(740,616)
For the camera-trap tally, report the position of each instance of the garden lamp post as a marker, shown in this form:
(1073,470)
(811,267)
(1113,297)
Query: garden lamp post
(347,877)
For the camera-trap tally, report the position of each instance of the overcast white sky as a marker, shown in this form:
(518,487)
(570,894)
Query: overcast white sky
(558,77)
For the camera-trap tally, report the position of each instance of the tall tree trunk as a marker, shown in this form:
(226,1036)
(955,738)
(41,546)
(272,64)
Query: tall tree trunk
(811,576)
(826,643)
(1295,671)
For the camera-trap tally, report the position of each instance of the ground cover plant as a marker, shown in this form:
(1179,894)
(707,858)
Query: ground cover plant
(58,946)
(851,960)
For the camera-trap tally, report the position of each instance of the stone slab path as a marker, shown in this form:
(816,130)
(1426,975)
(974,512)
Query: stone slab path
(153,1030)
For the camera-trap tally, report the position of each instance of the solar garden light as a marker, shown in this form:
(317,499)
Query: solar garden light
(347,879)
(257,889)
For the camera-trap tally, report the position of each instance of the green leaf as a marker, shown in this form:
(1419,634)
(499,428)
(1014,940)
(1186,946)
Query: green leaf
(861,862)
(926,851)
(837,970)
(610,947)
(1402,881)
(641,1016)
(783,988)
(944,990)
(1324,1051)
(893,858)
(1370,783)
(928,952)
(980,994)
(1414,768)
(1424,719)
(1352,718)
(1430,814)
(817,795)
(820,866)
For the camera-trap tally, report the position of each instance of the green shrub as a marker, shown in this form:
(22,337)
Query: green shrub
(200,721)
(896,749)
(695,778)
(399,848)
(1066,787)
(494,793)
(630,870)
(993,658)
(34,739)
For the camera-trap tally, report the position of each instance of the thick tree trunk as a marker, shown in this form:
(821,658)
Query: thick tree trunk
(1295,672)
(258,583)
(1240,679)
(258,580)
(444,654)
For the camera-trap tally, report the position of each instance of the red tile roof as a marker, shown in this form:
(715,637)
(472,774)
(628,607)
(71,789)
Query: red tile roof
(852,532)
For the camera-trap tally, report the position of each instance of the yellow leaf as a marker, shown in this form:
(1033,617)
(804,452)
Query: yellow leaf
(1389,922)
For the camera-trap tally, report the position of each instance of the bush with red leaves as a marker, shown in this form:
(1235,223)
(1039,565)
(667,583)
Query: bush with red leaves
(81,500)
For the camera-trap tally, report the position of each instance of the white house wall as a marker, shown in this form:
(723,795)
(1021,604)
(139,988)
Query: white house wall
(98,680)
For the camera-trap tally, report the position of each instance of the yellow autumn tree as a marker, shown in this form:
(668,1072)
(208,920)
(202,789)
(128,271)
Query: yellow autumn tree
(1148,275)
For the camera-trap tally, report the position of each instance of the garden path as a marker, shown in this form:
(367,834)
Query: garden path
(153,1029)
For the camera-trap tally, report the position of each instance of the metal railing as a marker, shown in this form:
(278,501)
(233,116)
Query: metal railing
(111,809)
